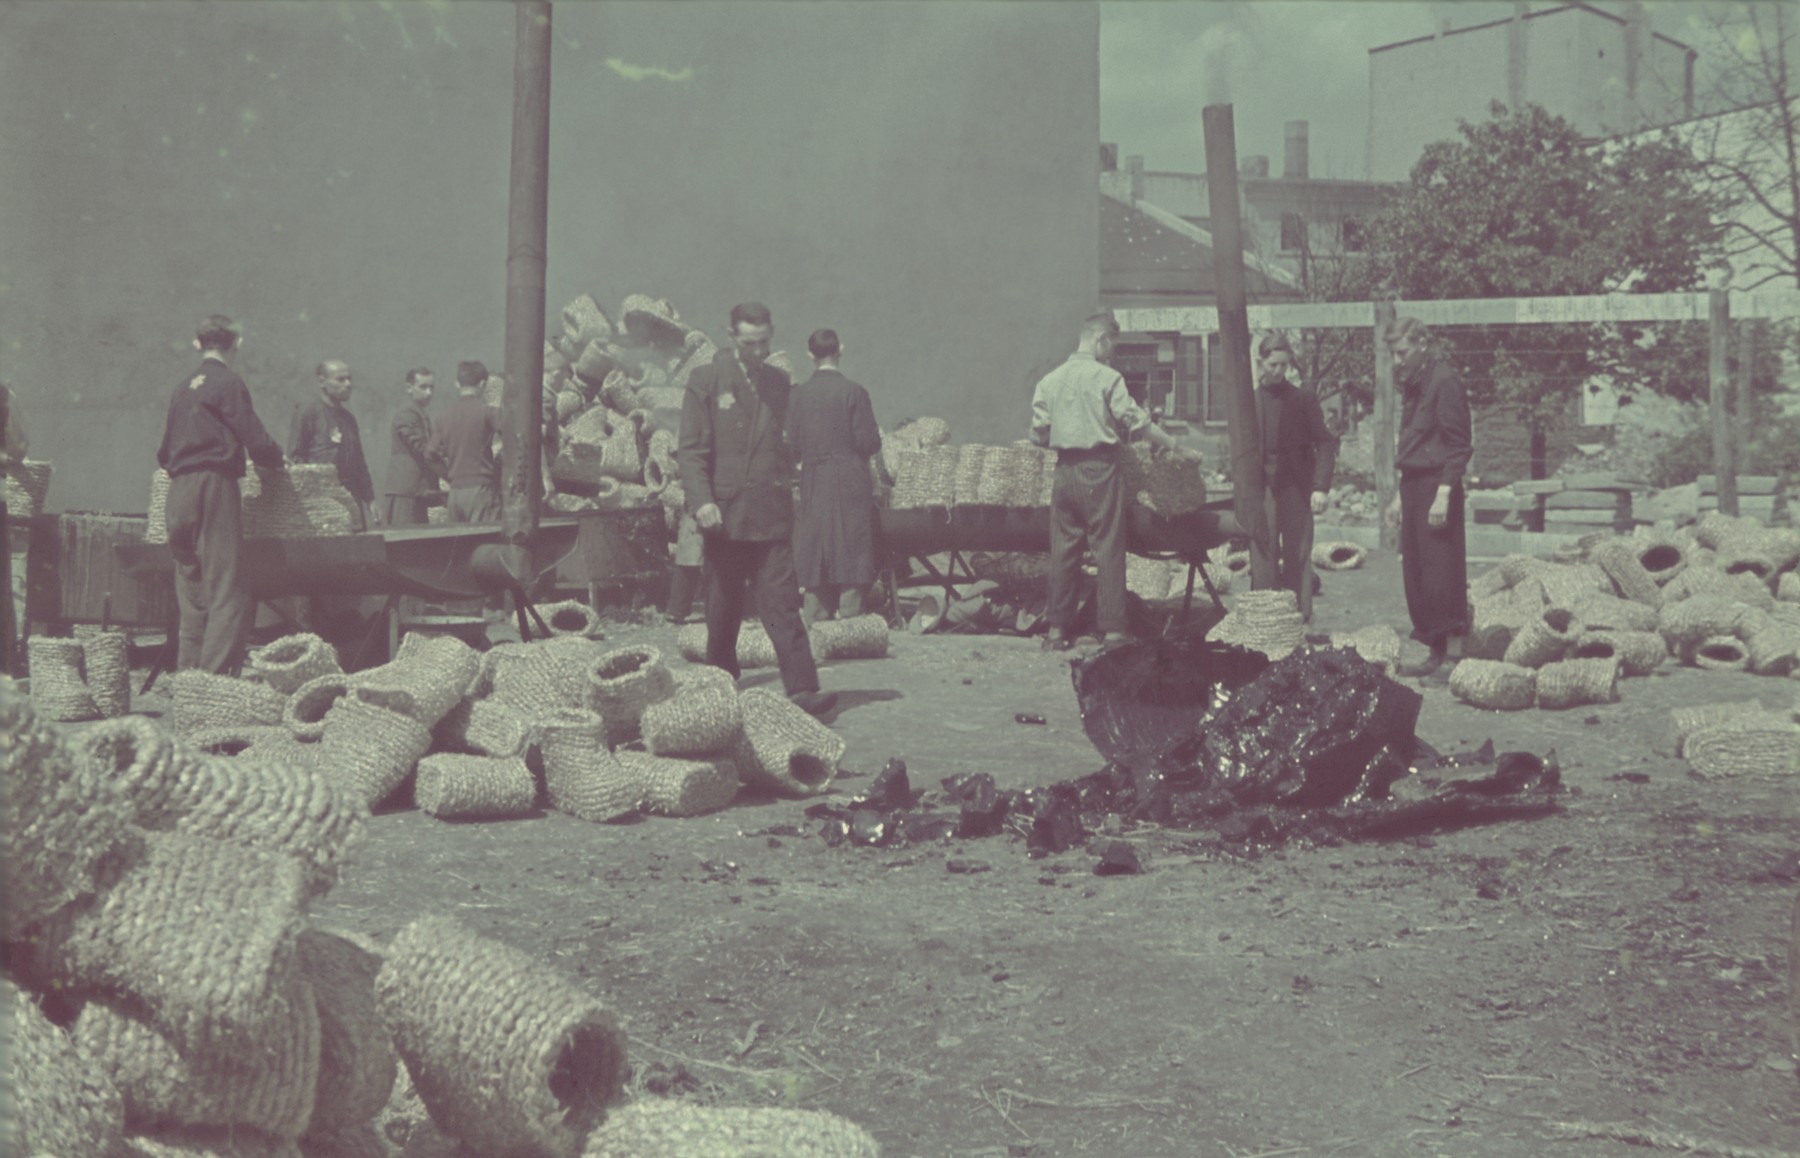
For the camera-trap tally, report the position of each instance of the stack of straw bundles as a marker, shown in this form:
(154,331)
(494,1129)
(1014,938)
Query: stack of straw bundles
(269,1085)
(357,1063)
(106,662)
(292,661)
(507,1056)
(27,482)
(64,827)
(1607,613)
(451,786)
(582,777)
(622,683)
(1493,684)
(1148,579)
(570,617)
(277,807)
(57,686)
(368,750)
(925,432)
(1622,561)
(666,1128)
(1544,637)
(1572,683)
(1014,477)
(1339,556)
(1639,652)
(58,1102)
(1265,621)
(860,637)
(925,478)
(965,479)
(703,717)
(1719,653)
(1377,643)
(670,786)
(1763,744)
(1168,484)
(482,728)
(200,933)
(754,647)
(1684,722)
(203,700)
(784,750)
(301,501)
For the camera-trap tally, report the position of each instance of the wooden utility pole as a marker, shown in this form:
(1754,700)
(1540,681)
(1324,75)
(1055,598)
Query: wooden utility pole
(1234,338)
(1743,402)
(1386,433)
(527,228)
(1718,374)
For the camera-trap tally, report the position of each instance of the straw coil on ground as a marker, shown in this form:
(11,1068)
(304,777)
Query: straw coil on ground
(269,1084)
(1719,653)
(1771,646)
(668,1128)
(1685,721)
(1494,684)
(57,1101)
(357,1062)
(783,749)
(1763,744)
(453,786)
(1571,683)
(506,1054)
(1339,555)
(570,617)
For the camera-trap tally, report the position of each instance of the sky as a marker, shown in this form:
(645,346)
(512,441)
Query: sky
(1162,61)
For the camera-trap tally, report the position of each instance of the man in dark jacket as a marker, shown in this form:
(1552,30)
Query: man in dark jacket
(412,470)
(738,474)
(831,430)
(1299,455)
(1434,450)
(211,425)
(326,433)
(464,440)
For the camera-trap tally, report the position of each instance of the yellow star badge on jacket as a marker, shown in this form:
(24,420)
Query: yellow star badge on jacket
(727,401)
(337,435)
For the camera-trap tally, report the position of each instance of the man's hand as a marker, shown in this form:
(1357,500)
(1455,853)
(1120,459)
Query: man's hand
(1439,512)
(374,516)
(708,516)
(1391,516)
(1318,502)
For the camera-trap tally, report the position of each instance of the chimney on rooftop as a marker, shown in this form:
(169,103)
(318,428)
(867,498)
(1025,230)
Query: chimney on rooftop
(1293,165)
(1109,157)
(1254,167)
(1134,166)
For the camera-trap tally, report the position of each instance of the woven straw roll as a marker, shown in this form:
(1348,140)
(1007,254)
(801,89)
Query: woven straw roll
(754,647)
(434,672)
(1565,586)
(1687,622)
(1377,643)
(260,743)
(199,932)
(1787,588)
(1710,581)
(369,751)
(507,1056)
(784,750)
(925,478)
(1148,579)
(1782,544)
(1265,621)
(286,808)
(1622,561)
(926,432)
(667,1128)
(1714,527)
(268,1085)
(106,662)
(1571,683)
(57,686)
(1340,555)
(539,677)
(202,700)
(482,728)
(1489,583)
(299,501)
(357,1063)
(1494,621)
(1773,647)
(582,777)
(1166,483)
(1718,653)
(1752,745)
(965,480)
(675,787)
(569,617)
(860,637)
(292,661)
(138,763)
(57,1101)
(1663,554)
(1515,569)
(364,1141)
(1608,613)
(1491,684)
(450,786)
(1544,637)
(62,823)
(1639,652)
(662,442)
(660,469)
(622,683)
(1685,721)
(583,321)
(1748,554)
(211,1142)
(702,717)
(27,482)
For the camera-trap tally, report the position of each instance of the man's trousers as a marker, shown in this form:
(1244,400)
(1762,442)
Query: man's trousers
(737,569)
(205,520)
(1433,560)
(1288,512)
(1087,513)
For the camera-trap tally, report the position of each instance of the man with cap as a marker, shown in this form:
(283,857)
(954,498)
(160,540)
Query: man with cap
(412,469)
(831,429)
(1299,454)
(211,426)
(326,433)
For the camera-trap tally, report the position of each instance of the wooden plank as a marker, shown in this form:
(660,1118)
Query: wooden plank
(1718,378)
(1568,500)
(1747,484)
(1540,486)
(1582,518)
(1494,501)
(1598,482)
(1387,480)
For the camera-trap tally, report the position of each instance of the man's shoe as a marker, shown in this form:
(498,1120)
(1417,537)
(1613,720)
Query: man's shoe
(1055,641)
(1424,667)
(1439,678)
(814,703)
(1115,639)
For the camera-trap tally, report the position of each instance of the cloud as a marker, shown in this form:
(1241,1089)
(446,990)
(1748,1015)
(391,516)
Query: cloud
(648,72)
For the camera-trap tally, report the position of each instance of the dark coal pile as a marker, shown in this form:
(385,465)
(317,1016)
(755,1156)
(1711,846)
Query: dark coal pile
(1243,752)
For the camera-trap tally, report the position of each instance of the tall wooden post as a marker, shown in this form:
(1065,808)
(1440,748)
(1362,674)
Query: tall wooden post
(1718,374)
(1234,338)
(1743,402)
(1386,426)
(527,227)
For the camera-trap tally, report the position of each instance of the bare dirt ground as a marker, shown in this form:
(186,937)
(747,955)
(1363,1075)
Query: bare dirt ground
(1557,985)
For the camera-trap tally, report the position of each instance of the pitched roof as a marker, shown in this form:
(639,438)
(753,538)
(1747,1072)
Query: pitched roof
(1147,252)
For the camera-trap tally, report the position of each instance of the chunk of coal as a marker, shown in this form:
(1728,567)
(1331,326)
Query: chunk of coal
(1118,859)
(983,808)
(1055,827)
(869,828)
(927,827)
(1138,698)
(890,791)
(1029,718)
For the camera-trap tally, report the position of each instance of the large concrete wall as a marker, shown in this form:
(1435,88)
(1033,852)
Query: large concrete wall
(920,177)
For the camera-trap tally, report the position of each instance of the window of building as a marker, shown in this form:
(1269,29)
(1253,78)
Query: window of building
(1293,233)
(1353,235)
